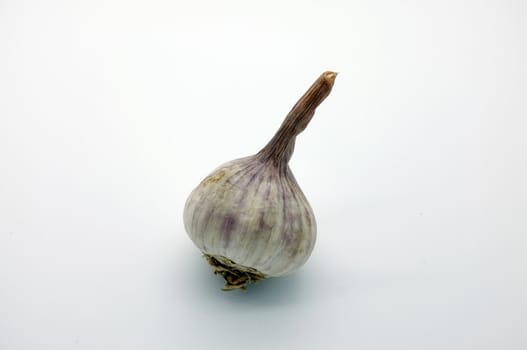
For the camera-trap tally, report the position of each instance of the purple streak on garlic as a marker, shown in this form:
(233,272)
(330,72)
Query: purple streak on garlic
(249,217)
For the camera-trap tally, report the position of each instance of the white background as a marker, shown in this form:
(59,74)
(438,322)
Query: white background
(416,167)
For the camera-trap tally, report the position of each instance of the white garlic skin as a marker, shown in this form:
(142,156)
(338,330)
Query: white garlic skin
(253,213)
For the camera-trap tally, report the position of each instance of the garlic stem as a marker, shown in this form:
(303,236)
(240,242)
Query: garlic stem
(280,148)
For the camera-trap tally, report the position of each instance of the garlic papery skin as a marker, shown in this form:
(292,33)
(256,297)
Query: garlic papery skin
(249,217)
(253,215)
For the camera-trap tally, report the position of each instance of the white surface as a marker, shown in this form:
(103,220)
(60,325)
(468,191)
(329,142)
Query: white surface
(111,112)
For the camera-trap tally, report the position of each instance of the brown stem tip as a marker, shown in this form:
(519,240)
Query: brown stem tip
(330,77)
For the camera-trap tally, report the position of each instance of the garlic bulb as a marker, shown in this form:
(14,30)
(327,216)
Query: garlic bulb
(249,217)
